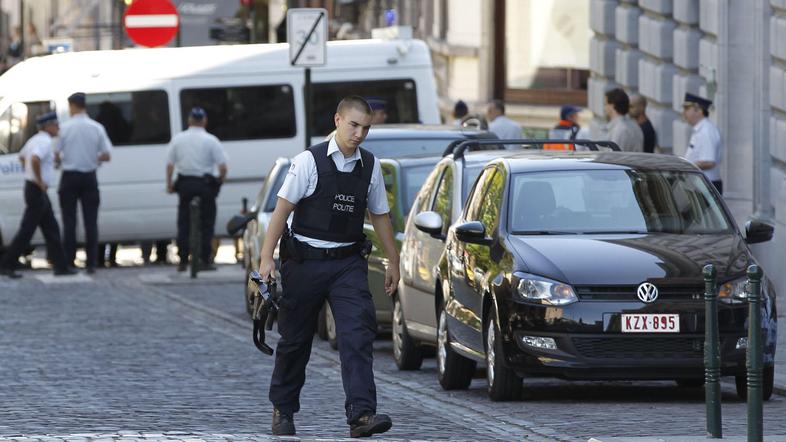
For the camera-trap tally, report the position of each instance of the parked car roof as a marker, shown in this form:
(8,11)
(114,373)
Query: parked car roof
(407,131)
(537,160)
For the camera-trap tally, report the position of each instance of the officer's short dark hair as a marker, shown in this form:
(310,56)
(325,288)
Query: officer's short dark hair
(353,102)
(499,105)
(78,99)
(619,99)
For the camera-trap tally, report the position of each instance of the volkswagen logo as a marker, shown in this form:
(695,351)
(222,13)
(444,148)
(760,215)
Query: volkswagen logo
(647,292)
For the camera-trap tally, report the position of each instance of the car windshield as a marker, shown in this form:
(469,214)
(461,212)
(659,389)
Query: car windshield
(395,148)
(614,201)
(272,197)
(412,179)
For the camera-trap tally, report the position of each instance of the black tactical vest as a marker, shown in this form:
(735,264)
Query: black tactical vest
(336,209)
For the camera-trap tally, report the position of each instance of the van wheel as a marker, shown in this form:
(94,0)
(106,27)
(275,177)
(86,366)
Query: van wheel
(249,294)
(768,374)
(330,327)
(503,384)
(453,370)
(406,353)
(322,323)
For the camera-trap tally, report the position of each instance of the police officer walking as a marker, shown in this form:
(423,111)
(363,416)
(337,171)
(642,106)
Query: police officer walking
(37,158)
(329,187)
(705,141)
(82,146)
(195,153)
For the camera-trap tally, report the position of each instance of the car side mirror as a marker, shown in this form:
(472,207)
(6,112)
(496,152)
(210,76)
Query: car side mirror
(238,222)
(473,232)
(429,222)
(757,231)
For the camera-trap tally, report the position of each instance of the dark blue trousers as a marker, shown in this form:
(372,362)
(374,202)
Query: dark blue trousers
(306,285)
(80,187)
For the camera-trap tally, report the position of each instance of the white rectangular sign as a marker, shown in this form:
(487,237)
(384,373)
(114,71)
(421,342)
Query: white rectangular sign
(307,34)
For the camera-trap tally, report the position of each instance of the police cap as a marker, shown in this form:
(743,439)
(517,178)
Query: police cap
(568,110)
(376,103)
(695,99)
(197,113)
(77,98)
(46,118)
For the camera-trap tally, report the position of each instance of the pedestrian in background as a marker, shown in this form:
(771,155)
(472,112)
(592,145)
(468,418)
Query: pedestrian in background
(705,141)
(379,107)
(621,129)
(83,145)
(567,128)
(195,154)
(500,125)
(638,112)
(460,110)
(37,158)
(329,187)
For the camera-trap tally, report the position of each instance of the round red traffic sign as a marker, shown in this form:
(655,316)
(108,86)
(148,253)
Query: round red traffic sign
(151,22)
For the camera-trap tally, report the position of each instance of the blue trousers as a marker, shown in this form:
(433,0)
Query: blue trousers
(306,285)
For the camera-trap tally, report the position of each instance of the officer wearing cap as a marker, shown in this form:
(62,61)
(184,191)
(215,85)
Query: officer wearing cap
(195,154)
(379,108)
(83,145)
(329,187)
(705,141)
(567,128)
(37,158)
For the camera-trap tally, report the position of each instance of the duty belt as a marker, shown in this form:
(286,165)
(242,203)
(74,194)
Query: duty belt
(306,251)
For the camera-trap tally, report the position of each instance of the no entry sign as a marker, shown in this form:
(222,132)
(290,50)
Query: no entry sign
(151,22)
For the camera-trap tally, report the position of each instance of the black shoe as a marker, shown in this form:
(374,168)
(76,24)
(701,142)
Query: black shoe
(66,272)
(283,424)
(206,267)
(91,270)
(369,424)
(182,267)
(10,273)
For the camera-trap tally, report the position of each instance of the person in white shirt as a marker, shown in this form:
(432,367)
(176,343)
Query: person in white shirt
(705,141)
(500,125)
(622,130)
(83,145)
(195,154)
(330,187)
(37,158)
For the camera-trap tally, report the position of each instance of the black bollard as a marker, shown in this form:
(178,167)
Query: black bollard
(195,237)
(712,396)
(754,357)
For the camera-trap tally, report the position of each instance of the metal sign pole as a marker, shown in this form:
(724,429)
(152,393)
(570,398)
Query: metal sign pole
(307,99)
(313,37)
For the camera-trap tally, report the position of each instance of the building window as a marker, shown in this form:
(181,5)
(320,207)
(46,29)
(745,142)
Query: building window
(132,118)
(546,50)
(243,113)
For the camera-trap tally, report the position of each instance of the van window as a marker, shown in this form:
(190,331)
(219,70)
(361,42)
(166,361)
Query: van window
(399,96)
(17,124)
(132,118)
(243,113)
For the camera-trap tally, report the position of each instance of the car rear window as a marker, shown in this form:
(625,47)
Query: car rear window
(614,201)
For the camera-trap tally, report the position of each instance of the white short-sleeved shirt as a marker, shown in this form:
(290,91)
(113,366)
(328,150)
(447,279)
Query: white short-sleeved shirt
(80,142)
(705,145)
(39,145)
(301,181)
(195,152)
(505,128)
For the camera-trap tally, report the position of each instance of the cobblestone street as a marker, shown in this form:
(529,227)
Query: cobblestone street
(137,354)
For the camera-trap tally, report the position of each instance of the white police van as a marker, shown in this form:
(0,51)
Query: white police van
(253,98)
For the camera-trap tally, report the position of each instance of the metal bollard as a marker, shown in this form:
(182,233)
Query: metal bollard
(712,396)
(195,237)
(754,357)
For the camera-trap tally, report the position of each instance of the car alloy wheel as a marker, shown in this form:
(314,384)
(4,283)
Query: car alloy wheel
(503,383)
(491,342)
(405,351)
(454,370)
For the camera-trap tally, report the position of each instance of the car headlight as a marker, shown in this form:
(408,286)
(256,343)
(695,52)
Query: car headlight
(544,291)
(734,292)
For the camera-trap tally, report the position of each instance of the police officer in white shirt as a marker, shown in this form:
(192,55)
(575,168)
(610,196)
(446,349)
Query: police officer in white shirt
(37,158)
(705,141)
(82,147)
(329,187)
(502,126)
(195,154)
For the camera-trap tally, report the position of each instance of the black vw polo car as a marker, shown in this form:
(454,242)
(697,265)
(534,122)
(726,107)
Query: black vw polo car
(588,265)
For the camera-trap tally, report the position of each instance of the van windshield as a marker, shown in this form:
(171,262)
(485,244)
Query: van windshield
(614,201)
